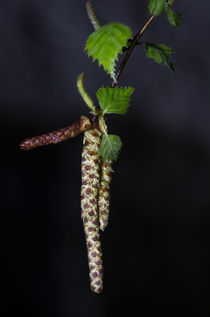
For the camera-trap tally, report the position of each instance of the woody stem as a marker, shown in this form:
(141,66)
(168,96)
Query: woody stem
(134,42)
(130,50)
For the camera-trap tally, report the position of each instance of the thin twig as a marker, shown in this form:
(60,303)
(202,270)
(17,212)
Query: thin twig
(134,42)
(170,3)
(131,48)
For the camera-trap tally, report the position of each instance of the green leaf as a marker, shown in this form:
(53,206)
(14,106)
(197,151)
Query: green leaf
(110,147)
(173,17)
(114,100)
(106,43)
(156,7)
(160,54)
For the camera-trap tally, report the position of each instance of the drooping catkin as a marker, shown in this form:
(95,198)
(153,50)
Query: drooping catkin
(89,206)
(104,194)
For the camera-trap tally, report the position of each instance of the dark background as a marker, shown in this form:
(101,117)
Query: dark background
(156,247)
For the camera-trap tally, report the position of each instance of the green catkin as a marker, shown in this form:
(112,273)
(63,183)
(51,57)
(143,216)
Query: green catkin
(89,206)
(104,194)
(92,16)
(83,92)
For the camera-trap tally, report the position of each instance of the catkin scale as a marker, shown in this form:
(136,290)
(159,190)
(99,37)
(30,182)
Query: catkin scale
(104,194)
(57,136)
(89,206)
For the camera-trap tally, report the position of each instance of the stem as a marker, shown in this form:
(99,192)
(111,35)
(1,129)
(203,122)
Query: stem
(102,125)
(129,52)
(171,2)
(134,43)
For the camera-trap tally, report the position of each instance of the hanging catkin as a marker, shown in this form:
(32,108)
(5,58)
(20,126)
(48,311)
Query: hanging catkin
(104,196)
(89,206)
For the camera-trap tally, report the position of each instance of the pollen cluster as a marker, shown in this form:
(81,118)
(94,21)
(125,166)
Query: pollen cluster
(89,206)
(104,196)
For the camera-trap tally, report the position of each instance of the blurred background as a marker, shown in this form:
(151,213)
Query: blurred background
(156,247)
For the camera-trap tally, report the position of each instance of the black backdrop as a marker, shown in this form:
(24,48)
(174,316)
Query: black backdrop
(156,247)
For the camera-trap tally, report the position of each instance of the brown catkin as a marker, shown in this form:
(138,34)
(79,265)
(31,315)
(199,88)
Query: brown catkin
(104,194)
(57,136)
(89,206)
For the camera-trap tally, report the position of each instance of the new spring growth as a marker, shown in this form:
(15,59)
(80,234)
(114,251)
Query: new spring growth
(84,94)
(101,149)
(92,16)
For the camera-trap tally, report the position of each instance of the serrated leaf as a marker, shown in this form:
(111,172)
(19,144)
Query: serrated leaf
(156,7)
(106,43)
(110,147)
(173,17)
(114,100)
(160,53)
